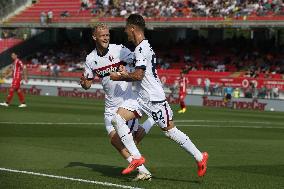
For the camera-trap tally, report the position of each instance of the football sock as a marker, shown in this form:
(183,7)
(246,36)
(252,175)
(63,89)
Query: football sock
(141,168)
(148,124)
(183,140)
(125,135)
(182,104)
(21,96)
(10,96)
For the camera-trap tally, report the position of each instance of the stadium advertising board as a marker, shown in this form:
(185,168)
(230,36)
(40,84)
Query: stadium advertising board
(96,92)
(78,93)
(197,78)
(254,104)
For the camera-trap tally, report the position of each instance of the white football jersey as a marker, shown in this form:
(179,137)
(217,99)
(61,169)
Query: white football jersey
(115,91)
(150,88)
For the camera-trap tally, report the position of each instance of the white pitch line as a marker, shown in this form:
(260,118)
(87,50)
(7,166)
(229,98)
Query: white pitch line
(69,178)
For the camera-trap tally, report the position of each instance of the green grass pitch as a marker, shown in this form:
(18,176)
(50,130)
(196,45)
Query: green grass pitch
(66,137)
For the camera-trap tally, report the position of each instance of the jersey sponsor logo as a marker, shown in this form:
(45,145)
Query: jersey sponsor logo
(105,71)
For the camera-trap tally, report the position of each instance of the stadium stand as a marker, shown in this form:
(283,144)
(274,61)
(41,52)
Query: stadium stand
(85,10)
(8,43)
(72,7)
(8,7)
(201,61)
(235,59)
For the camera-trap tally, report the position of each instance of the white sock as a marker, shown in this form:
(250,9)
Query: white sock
(141,168)
(148,124)
(183,140)
(125,135)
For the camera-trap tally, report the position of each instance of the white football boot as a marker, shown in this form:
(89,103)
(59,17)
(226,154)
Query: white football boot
(4,104)
(22,106)
(143,176)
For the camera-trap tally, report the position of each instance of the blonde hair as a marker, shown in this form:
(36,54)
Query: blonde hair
(99,26)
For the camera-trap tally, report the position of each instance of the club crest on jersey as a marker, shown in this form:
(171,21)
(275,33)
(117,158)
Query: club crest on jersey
(111,58)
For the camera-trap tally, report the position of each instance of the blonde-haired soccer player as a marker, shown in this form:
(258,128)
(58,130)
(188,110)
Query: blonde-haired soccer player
(103,60)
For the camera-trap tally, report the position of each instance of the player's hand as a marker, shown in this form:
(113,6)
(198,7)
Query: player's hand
(123,73)
(84,82)
(115,76)
(121,68)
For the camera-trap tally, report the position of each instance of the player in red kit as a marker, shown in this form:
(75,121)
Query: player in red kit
(18,68)
(182,92)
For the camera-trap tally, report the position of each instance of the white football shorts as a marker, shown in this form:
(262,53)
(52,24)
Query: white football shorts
(129,104)
(161,112)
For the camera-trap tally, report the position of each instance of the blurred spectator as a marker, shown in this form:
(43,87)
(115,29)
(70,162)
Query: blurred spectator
(228,96)
(49,16)
(85,5)
(186,69)
(207,83)
(274,92)
(236,93)
(65,14)
(262,92)
(251,91)
(43,18)
(194,8)
(55,69)
(216,90)
(35,60)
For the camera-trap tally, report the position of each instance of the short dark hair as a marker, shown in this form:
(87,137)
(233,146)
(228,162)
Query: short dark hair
(137,20)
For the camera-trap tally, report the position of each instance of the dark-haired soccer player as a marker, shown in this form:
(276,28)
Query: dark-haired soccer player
(18,68)
(151,96)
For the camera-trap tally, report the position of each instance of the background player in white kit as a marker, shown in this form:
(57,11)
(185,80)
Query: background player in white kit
(151,97)
(101,61)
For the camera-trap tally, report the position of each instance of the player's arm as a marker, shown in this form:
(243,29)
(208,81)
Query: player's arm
(139,72)
(8,72)
(137,75)
(126,55)
(86,79)
(25,72)
(86,82)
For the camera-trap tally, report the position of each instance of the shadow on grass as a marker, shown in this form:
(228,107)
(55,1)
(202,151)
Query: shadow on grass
(113,171)
(269,170)
(106,170)
(197,181)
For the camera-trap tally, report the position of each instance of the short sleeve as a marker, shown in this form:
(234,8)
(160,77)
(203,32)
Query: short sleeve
(126,55)
(140,58)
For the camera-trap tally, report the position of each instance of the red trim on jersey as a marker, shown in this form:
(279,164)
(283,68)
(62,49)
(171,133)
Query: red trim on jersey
(104,71)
